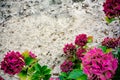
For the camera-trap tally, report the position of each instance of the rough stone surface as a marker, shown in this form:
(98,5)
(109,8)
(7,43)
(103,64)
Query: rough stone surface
(44,26)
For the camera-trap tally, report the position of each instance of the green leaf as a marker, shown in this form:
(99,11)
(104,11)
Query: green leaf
(104,48)
(47,77)
(37,67)
(63,74)
(28,59)
(109,20)
(31,70)
(44,67)
(90,39)
(47,71)
(23,75)
(41,72)
(83,77)
(75,74)
(81,66)
(108,50)
(61,78)
(25,54)
(85,47)
(36,76)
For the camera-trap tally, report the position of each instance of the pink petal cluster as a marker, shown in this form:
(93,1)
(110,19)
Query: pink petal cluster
(110,42)
(67,66)
(81,40)
(69,49)
(102,66)
(32,55)
(54,78)
(80,52)
(1,78)
(13,63)
(112,8)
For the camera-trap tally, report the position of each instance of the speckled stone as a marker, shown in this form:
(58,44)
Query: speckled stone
(44,26)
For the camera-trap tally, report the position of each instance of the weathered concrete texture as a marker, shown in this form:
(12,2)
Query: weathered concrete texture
(44,26)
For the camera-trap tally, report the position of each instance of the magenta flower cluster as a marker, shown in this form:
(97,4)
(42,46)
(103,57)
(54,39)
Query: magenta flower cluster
(69,49)
(81,40)
(67,66)
(80,52)
(112,8)
(1,78)
(13,63)
(110,42)
(54,78)
(99,64)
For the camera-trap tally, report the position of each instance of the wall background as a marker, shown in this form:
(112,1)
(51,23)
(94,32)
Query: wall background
(44,26)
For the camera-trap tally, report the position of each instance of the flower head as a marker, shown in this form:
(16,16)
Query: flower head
(13,63)
(54,78)
(96,63)
(80,52)
(112,8)
(81,40)
(66,66)
(110,42)
(69,49)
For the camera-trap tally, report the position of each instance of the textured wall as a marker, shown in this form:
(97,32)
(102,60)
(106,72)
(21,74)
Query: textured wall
(44,26)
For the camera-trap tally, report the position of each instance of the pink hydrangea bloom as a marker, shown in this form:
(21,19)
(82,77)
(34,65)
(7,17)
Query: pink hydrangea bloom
(13,63)
(80,52)
(32,55)
(96,63)
(110,42)
(54,78)
(81,40)
(66,66)
(1,78)
(69,49)
(112,8)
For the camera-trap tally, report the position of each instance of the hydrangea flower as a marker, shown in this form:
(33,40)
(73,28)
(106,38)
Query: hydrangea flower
(98,65)
(54,78)
(1,78)
(112,8)
(69,49)
(32,55)
(81,40)
(80,52)
(110,42)
(13,63)
(67,66)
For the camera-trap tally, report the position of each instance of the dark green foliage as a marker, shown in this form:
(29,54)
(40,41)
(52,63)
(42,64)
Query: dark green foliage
(76,74)
(35,72)
(40,72)
(63,76)
(109,20)
(105,49)
(117,55)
